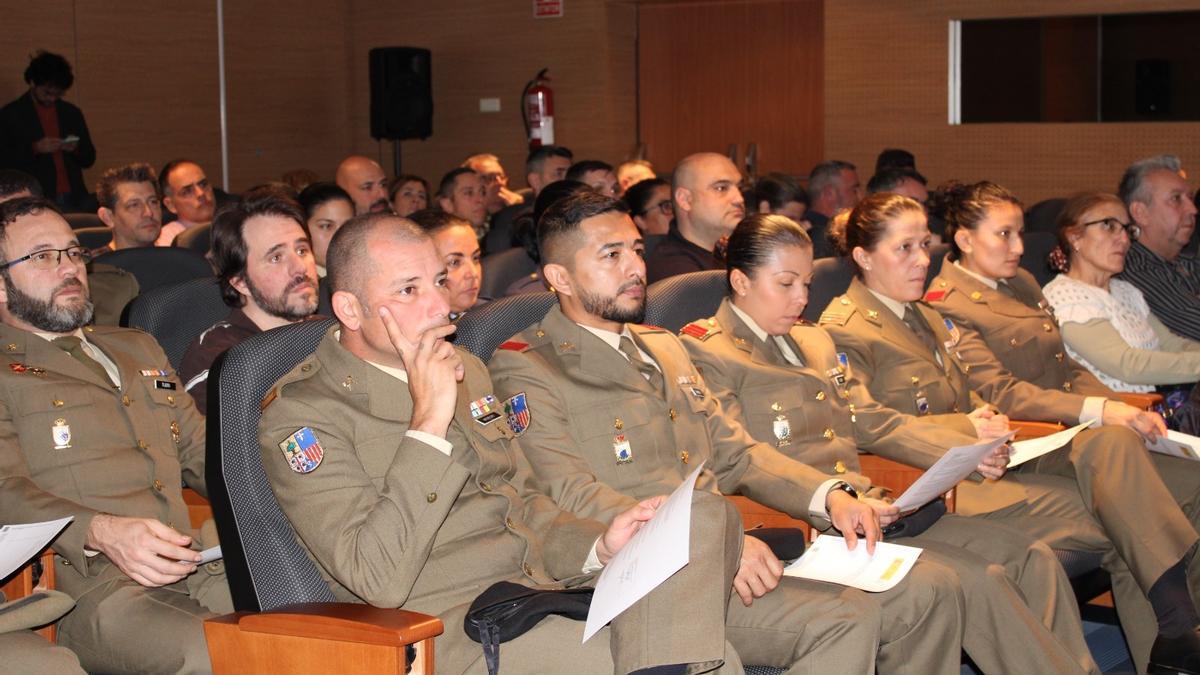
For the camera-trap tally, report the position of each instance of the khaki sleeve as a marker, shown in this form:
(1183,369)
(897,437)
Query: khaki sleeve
(1101,345)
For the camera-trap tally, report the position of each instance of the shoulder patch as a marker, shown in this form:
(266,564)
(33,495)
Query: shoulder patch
(934,296)
(302,450)
(513,345)
(517,413)
(698,330)
(268,399)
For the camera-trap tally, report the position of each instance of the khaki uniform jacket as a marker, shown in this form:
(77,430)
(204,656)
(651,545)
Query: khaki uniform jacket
(111,288)
(589,403)
(128,451)
(804,410)
(392,521)
(1013,337)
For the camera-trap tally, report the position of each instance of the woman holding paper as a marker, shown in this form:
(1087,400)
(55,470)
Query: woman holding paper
(915,361)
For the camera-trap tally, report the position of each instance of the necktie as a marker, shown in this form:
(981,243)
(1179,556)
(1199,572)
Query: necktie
(1006,290)
(74,346)
(647,369)
(922,332)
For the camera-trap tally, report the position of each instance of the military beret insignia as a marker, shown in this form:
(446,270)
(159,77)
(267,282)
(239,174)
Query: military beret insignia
(302,450)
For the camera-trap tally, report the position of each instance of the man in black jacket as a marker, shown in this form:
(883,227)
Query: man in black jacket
(47,137)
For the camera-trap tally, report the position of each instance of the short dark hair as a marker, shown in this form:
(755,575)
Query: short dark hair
(638,196)
(432,221)
(895,158)
(756,238)
(777,190)
(538,156)
(13,181)
(524,228)
(164,176)
(317,194)
(404,178)
(581,168)
(446,187)
(347,260)
(21,206)
(228,242)
(49,68)
(106,187)
(563,217)
(889,178)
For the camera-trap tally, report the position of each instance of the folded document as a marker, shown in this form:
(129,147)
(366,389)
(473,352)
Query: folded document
(829,560)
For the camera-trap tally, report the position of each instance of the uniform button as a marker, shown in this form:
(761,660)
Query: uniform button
(306,367)
(66,562)
(1046,327)
(839,466)
(671,413)
(431,497)
(776,407)
(125,400)
(914,380)
(171,525)
(527,569)
(683,456)
(57,403)
(509,523)
(171,399)
(485,487)
(1059,357)
(956,407)
(966,367)
(141,444)
(828,434)
(158,485)
(12,347)
(1067,386)
(618,424)
(820,396)
(1012,342)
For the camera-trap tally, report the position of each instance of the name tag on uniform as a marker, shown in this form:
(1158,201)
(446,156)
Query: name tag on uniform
(164,384)
(484,410)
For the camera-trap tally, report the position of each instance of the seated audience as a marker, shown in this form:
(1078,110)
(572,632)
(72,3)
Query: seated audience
(780,194)
(458,249)
(98,426)
(596,174)
(895,158)
(533,282)
(649,203)
(544,165)
(463,194)
(187,193)
(326,208)
(408,194)
(708,205)
(1106,323)
(833,186)
(1157,194)
(129,205)
(363,179)
(911,359)
(413,501)
(633,172)
(267,274)
(495,181)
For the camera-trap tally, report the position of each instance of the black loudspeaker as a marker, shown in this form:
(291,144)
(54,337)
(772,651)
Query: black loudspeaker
(1152,79)
(401,93)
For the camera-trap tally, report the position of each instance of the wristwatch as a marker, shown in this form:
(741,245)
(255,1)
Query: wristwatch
(844,487)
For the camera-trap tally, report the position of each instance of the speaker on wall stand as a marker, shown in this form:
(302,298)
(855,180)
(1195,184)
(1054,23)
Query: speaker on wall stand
(401,95)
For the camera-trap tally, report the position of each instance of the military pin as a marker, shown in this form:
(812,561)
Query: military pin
(61,434)
(348,383)
(697,392)
(955,334)
(175,432)
(783,431)
(622,450)
(922,405)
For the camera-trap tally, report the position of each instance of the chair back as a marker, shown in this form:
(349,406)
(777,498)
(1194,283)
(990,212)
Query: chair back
(937,256)
(156,266)
(265,565)
(483,329)
(503,268)
(93,238)
(197,238)
(831,278)
(675,301)
(1041,216)
(1037,251)
(176,314)
(79,221)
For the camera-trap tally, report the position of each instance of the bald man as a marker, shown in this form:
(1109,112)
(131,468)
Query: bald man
(366,182)
(708,205)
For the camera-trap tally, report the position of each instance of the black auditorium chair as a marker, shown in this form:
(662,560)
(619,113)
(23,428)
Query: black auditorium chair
(176,314)
(503,268)
(1036,257)
(484,328)
(673,302)
(93,238)
(277,589)
(197,238)
(79,221)
(831,278)
(652,241)
(156,266)
(937,256)
(1041,216)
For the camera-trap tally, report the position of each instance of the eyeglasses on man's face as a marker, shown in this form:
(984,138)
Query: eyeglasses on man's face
(51,258)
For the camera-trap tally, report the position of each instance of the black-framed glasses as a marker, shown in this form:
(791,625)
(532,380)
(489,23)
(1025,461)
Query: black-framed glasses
(665,207)
(51,258)
(1111,226)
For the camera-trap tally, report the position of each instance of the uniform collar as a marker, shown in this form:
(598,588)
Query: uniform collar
(990,283)
(895,306)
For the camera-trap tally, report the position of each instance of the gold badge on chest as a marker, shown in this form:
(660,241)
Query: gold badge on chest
(60,433)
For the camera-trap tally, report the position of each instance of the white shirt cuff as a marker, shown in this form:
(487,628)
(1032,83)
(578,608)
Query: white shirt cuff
(816,507)
(593,560)
(1093,409)
(440,444)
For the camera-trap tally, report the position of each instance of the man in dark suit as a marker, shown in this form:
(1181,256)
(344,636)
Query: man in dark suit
(47,137)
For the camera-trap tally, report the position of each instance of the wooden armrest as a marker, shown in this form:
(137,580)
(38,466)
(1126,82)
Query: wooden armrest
(757,515)
(22,584)
(1143,401)
(896,476)
(199,510)
(321,637)
(1026,429)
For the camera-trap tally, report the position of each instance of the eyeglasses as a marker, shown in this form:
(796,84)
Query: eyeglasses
(51,258)
(664,207)
(1111,226)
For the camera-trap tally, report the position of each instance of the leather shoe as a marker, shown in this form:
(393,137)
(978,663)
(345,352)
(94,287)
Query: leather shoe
(1176,655)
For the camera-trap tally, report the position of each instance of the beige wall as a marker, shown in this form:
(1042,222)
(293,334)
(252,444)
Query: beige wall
(886,85)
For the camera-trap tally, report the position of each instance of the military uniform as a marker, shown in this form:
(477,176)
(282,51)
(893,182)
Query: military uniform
(27,652)
(391,520)
(111,289)
(813,411)
(76,445)
(1097,494)
(602,436)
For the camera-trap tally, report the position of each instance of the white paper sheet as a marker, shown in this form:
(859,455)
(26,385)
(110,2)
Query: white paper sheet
(210,555)
(1177,444)
(828,559)
(657,551)
(21,543)
(1032,448)
(955,465)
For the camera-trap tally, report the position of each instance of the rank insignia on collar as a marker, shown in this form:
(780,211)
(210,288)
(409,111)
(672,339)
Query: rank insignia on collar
(60,433)
(302,450)
(934,296)
(516,410)
(484,410)
(154,373)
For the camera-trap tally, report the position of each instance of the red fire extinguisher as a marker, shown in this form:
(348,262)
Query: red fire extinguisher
(537,110)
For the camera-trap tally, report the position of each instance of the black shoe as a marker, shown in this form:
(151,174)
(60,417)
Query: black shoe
(1176,655)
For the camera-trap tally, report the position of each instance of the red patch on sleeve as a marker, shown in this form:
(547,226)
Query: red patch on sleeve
(695,330)
(934,296)
(513,345)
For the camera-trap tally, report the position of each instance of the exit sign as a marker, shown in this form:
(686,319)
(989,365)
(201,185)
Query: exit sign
(547,9)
